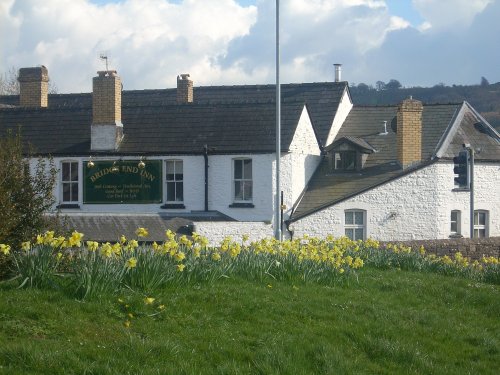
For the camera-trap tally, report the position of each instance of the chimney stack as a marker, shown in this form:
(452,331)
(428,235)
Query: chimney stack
(107,127)
(184,89)
(409,132)
(34,87)
(338,72)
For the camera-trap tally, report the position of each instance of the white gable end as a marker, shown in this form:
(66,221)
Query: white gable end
(343,110)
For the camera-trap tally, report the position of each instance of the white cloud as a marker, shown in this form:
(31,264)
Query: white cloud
(150,42)
(449,14)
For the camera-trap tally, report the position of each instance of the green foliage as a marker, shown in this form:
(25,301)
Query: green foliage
(37,266)
(94,276)
(26,192)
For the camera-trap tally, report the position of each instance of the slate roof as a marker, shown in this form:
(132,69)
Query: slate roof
(227,118)
(326,188)
(109,227)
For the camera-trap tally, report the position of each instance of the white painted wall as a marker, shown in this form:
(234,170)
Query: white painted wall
(220,187)
(299,164)
(220,181)
(416,206)
(343,110)
(216,231)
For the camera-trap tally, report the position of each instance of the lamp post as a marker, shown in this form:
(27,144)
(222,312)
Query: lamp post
(277,207)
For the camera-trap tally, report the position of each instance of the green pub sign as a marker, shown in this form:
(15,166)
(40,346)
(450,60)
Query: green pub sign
(123,181)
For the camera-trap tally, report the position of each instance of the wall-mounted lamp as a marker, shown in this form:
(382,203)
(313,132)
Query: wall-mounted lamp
(90,163)
(141,163)
(115,168)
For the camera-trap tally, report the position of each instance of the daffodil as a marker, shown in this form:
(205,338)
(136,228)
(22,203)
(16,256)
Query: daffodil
(131,263)
(26,246)
(75,239)
(180,256)
(141,232)
(149,300)
(180,267)
(92,245)
(132,244)
(5,249)
(126,323)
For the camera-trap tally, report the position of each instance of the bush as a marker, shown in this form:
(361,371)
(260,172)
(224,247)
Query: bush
(25,191)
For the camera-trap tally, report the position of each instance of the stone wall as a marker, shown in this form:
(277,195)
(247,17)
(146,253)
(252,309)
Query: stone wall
(472,248)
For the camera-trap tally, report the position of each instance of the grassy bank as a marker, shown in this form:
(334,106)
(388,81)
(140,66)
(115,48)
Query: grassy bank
(388,322)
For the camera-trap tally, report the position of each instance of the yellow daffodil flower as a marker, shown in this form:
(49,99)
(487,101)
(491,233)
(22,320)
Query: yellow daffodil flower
(131,263)
(180,267)
(75,239)
(149,300)
(92,245)
(5,249)
(141,232)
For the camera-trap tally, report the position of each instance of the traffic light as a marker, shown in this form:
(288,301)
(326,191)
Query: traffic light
(461,169)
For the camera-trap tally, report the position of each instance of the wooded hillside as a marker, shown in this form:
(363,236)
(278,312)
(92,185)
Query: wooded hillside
(484,98)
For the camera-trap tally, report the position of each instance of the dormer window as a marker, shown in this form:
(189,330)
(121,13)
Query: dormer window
(348,154)
(345,160)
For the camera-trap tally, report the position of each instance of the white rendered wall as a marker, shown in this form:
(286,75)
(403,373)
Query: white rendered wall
(216,231)
(343,110)
(193,169)
(220,181)
(416,206)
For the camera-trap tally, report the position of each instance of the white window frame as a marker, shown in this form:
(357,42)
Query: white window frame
(70,182)
(243,179)
(481,227)
(457,221)
(353,226)
(175,181)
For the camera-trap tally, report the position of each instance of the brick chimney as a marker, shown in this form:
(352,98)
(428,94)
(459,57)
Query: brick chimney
(409,132)
(107,127)
(184,89)
(34,87)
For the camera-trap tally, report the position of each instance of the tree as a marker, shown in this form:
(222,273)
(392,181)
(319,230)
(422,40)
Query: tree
(380,85)
(9,85)
(393,84)
(363,87)
(26,191)
(484,82)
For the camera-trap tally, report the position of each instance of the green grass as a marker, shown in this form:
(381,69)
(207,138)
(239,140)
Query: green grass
(390,322)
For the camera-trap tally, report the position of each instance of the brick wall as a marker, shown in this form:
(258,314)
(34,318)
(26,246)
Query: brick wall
(34,87)
(409,132)
(472,248)
(184,89)
(107,98)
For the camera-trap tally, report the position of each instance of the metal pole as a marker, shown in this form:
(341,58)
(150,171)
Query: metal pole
(471,187)
(277,220)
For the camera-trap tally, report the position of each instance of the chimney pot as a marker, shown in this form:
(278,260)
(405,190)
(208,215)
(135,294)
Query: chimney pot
(338,72)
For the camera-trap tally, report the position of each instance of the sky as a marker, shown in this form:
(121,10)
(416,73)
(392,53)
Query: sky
(229,42)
